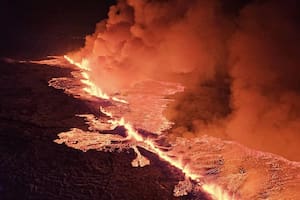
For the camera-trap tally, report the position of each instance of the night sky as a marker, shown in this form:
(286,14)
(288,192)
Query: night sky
(45,27)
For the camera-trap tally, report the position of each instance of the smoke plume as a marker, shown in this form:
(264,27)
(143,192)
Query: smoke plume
(264,65)
(239,65)
(155,40)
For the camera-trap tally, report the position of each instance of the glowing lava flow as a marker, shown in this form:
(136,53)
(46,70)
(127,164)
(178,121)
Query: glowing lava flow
(133,134)
(91,88)
(84,65)
(214,190)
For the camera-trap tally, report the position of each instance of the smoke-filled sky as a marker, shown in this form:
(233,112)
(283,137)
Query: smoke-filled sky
(238,62)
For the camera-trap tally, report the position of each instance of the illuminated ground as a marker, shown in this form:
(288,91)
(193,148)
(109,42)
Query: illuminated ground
(34,167)
(224,169)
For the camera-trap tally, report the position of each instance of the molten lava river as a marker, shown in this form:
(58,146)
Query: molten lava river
(134,120)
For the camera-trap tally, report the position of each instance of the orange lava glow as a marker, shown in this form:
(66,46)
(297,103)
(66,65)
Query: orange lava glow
(83,65)
(91,88)
(215,191)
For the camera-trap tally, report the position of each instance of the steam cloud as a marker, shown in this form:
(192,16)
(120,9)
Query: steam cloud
(240,67)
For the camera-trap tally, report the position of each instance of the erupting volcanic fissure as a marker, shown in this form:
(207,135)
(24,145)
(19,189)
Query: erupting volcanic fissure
(224,170)
(196,84)
(165,99)
(91,88)
(147,143)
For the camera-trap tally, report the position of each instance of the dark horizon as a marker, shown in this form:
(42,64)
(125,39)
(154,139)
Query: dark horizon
(40,28)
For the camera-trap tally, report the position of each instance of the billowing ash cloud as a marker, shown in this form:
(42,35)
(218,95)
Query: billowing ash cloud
(155,40)
(240,66)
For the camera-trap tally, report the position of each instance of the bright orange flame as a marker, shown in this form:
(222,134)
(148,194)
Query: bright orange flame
(91,88)
(84,65)
(217,192)
(119,100)
(214,190)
